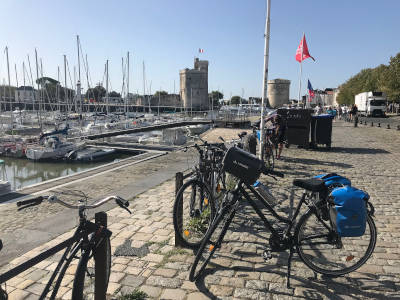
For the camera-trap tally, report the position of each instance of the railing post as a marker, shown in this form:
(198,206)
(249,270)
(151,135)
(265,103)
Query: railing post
(100,283)
(178,185)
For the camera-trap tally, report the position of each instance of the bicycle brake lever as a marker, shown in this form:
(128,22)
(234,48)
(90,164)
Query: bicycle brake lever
(123,204)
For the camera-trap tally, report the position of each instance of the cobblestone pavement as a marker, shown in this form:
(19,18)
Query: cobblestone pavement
(370,157)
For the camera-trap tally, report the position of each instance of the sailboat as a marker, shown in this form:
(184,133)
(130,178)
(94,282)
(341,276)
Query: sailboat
(5,186)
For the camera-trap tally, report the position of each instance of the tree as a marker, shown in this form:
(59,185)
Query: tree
(256,100)
(216,95)
(385,78)
(160,93)
(46,80)
(96,93)
(114,94)
(235,100)
(214,98)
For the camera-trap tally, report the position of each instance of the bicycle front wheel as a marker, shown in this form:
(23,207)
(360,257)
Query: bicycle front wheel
(211,242)
(325,252)
(84,283)
(194,210)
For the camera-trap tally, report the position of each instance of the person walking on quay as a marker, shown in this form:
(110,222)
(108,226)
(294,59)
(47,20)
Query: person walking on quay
(353,112)
(280,128)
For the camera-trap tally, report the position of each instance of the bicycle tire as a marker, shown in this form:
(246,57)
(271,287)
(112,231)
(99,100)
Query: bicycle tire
(330,254)
(84,282)
(197,213)
(211,243)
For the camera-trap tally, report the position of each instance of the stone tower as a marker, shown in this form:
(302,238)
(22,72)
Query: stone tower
(194,86)
(278,92)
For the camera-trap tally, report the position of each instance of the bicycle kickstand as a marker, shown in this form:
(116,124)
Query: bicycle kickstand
(289,267)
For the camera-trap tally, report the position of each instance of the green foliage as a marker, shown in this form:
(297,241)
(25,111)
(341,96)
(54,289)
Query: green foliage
(385,78)
(235,100)
(200,223)
(160,93)
(96,93)
(46,80)
(216,95)
(136,294)
(114,94)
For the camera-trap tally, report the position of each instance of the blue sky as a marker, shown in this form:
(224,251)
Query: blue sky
(344,37)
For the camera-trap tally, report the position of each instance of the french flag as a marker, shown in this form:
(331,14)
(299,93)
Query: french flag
(310,90)
(201,50)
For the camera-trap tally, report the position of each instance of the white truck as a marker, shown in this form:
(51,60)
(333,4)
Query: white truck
(371,103)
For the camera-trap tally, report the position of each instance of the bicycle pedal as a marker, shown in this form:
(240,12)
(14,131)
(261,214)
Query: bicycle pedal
(267,255)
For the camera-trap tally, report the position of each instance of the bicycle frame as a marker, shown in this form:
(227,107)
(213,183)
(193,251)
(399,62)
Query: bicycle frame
(80,240)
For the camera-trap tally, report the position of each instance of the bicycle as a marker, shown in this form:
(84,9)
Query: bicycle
(90,243)
(313,237)
(197,200)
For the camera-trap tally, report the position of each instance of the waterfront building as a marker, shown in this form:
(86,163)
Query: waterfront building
(26,94)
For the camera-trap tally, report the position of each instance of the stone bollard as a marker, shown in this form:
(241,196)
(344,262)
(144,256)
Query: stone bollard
(356,121)
(388,126)
(398,127)
(372,124)
(379,124)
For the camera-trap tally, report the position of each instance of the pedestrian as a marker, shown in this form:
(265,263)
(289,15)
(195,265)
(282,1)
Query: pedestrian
(340,111)
(280,129)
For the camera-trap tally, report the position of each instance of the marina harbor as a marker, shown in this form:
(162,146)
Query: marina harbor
(181,150)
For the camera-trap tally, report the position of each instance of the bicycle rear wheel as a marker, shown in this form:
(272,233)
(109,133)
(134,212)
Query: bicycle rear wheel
(194,210)
(212,241)
(84,282)
(325,252)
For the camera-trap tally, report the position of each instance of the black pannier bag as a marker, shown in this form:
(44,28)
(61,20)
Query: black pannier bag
(243,165)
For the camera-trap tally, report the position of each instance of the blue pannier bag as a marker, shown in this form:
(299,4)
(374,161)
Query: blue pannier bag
(333,180)
(348,211)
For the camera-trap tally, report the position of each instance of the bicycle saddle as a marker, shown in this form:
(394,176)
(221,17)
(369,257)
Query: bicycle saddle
(312,184)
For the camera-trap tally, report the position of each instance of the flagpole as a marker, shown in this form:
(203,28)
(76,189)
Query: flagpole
(265,78)
(301,66)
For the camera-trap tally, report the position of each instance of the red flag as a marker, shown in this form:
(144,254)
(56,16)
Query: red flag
(303,49)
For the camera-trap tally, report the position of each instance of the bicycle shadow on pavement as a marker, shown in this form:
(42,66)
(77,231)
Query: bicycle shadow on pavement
(366,286)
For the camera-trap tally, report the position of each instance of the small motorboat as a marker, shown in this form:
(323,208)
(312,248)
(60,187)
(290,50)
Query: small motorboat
(5,186)
(90,154)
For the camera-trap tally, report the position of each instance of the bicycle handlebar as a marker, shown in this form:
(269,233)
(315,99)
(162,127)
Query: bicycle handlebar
(53,198)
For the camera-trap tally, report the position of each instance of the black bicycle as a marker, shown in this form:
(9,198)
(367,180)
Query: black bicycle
(90,244)
(197,200)
(314,237)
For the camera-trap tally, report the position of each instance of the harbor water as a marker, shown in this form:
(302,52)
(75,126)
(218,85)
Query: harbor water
(23,172)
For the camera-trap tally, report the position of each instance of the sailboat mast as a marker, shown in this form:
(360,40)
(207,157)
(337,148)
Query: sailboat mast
(58,88)
(39,90)
(78,85)
(9,87)
(65,84)
(144,88)
(127,83)
(107,108)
